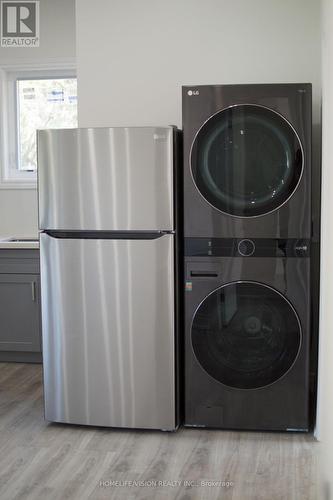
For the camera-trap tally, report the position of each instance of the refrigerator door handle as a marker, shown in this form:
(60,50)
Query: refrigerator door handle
(106,235)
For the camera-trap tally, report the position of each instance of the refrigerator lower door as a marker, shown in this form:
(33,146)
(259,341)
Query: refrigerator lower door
(108,331)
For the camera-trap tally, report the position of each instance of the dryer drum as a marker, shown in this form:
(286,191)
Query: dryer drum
(246,335)
(246,160)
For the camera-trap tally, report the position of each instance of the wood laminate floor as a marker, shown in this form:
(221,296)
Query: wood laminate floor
(41,461)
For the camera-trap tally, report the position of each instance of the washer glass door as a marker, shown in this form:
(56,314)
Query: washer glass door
(246,335)
(246,160)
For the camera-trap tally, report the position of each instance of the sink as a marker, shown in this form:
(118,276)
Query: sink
(13,242)
(18,240)
(21,240)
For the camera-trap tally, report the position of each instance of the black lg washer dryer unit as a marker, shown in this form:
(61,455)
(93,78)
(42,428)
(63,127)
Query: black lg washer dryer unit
(247,157)
(247,329)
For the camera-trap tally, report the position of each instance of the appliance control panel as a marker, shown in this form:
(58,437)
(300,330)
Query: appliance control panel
(247,247)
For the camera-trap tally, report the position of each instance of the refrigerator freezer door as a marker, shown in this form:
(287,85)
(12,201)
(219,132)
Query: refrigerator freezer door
(108,332)
(106,179)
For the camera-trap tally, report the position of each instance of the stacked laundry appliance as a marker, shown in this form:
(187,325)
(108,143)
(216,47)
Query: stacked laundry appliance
(247,228)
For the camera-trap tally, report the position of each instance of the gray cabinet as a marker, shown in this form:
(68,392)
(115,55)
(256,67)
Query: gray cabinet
(20,325)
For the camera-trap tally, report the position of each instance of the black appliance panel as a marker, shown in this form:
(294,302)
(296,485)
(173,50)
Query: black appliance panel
(216,201)
(278,402)
(247,247)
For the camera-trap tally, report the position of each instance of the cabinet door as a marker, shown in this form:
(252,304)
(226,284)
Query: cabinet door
(19,312)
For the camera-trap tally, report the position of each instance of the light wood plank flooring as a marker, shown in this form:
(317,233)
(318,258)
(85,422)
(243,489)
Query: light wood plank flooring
(41,461)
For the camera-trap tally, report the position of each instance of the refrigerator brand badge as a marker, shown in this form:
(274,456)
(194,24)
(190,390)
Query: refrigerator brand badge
(19,23)
(188,286)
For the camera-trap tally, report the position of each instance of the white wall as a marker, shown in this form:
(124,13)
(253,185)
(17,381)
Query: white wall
(18,207)
(325,402)
(133,56)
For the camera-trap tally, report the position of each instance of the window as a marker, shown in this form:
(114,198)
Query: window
(32,99)
(42,103)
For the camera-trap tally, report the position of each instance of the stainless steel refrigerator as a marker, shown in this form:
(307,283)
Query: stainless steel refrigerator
(107,247)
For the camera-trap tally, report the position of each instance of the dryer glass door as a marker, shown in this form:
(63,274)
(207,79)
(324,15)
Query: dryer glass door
(246,335)
(246,160)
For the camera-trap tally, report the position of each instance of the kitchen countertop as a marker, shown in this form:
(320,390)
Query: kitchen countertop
(16,242)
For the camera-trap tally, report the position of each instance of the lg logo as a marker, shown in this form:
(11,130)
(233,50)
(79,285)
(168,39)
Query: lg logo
(20,23)
(193,92)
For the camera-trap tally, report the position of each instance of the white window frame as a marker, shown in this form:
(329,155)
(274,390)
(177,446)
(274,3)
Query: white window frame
(10,176)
